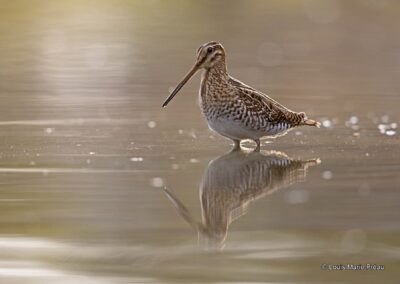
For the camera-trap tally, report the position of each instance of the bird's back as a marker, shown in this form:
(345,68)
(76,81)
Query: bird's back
(264,106)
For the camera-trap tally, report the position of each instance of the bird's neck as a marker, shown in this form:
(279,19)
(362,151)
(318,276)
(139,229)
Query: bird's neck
(213,82)
(217,71)
(214,76)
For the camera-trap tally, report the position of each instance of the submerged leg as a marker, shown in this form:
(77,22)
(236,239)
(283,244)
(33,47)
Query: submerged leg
(257,149)
(236,145)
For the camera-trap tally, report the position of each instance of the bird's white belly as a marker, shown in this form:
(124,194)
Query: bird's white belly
(233,129)
(237,130)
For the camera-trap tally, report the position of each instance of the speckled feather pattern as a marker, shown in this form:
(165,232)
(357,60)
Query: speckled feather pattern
(232,108)
(224,96)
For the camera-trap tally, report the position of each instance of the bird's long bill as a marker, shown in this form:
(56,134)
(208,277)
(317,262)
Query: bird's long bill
(181,84)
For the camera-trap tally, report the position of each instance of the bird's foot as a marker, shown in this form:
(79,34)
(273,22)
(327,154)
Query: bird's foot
(236,146)
(258,148)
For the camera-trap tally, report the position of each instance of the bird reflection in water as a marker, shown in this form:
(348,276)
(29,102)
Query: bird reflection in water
(231,182)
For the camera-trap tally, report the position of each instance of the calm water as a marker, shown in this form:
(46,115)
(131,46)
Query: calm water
(100,185)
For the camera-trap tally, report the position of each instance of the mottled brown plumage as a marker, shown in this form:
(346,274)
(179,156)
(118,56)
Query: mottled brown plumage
(234,109)
(231,182)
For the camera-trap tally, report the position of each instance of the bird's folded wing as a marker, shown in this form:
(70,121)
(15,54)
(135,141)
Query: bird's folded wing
(259,104)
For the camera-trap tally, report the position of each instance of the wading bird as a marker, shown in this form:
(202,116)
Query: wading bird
(234,109)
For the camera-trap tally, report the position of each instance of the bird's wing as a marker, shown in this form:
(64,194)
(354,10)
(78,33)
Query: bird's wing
(260,104)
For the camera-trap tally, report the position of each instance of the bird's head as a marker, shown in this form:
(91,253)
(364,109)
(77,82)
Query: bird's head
(208,55)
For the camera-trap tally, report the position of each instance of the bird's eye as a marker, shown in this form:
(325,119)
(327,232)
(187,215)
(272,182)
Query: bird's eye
(210,49)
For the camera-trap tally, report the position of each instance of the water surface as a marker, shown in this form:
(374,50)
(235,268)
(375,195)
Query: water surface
(100,185)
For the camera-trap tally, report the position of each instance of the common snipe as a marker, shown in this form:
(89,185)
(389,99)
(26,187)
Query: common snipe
(233,109)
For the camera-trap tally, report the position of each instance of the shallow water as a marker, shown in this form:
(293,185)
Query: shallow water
(100,185)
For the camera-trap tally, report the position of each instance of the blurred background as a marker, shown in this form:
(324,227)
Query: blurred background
(98,184)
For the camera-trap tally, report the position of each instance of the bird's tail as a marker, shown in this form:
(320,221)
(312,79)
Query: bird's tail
(309,122)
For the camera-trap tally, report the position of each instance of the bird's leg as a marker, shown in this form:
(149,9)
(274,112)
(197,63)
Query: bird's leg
(236,145)
(257,149)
